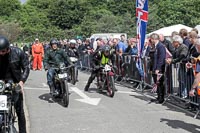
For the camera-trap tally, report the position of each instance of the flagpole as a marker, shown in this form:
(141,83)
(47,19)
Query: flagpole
(142,19)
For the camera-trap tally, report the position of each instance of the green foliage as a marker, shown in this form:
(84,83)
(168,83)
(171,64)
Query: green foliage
(46,19)
(65,14)
(8,7)
(170,12)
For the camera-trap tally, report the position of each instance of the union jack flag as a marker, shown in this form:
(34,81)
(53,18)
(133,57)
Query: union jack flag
(154,89)
(142,19)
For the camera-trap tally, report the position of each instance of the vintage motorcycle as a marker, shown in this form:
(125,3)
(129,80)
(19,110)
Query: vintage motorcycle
(106,80)
(8,96)
(61,84)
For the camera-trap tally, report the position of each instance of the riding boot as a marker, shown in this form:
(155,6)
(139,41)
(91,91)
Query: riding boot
(161,98)
(87,86)
(52,89)
(158,93)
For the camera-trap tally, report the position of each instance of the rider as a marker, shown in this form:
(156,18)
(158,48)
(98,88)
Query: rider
(14,65)
(53,57)
(72,51)
(100,58)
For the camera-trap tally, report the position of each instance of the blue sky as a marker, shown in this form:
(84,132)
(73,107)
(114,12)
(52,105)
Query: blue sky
(22,1)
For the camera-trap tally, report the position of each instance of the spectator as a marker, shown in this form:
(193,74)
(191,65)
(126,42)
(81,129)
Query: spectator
(132,47)
(197,77)
(167,43)
(192,52)
(99,42)
(196,30)
(180,50)
(120,46)
(159,66)
(184,34)
(146,49)
(38,54)
(174,33)
(180,53)
(123,39)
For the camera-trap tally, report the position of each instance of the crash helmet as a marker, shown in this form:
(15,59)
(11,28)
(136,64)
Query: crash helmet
(4,43)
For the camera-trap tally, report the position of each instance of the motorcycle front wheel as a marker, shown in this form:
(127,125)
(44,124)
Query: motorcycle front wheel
(65,96)
(111,86)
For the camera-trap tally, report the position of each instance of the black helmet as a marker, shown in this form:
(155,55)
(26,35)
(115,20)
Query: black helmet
(54,41)
(106,48)
(4,43)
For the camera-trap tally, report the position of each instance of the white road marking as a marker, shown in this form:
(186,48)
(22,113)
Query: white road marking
(44,84)
(38,88)
(86,99)
(127,92)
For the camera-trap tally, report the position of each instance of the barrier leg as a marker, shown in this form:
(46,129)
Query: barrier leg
(197,114)
(166,99)
(141,86)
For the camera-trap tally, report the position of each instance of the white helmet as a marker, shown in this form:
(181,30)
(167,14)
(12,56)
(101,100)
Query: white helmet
(72,41)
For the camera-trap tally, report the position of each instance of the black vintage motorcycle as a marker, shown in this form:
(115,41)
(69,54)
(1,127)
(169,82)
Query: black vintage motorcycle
(61,84)
(106,80)
(8,96)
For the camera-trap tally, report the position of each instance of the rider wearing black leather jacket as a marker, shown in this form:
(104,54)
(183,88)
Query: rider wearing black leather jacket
(14,65)
(101,57)
(72,51)
(53,57)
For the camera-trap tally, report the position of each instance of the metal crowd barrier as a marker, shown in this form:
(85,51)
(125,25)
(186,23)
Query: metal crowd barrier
(178,78)
(178,82)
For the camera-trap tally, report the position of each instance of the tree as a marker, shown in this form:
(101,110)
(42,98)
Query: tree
(66,14)
(8,7)
(11,30)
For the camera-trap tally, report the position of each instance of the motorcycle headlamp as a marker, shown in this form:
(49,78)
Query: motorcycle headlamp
(2,86)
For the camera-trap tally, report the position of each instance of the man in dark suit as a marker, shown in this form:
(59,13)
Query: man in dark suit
(159,66)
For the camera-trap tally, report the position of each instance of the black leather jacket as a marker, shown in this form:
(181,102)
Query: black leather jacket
(19,64)
(73,52)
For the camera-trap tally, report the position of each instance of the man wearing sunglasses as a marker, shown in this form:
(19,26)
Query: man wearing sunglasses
(14,65)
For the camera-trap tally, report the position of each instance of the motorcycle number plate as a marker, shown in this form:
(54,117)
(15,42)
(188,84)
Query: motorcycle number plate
(3,102)
(107,68)
(64,75)
(73,59)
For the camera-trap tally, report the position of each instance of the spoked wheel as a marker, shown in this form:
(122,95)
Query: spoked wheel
(111,86)
(12,129)
(65,96)
(58,87)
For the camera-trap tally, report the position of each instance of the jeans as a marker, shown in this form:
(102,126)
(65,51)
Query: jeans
(20,114)
(50,75)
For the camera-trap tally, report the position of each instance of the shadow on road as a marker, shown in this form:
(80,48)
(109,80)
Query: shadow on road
(144,98)
(176,124)
(92,90)
(46,97)
(96,90)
